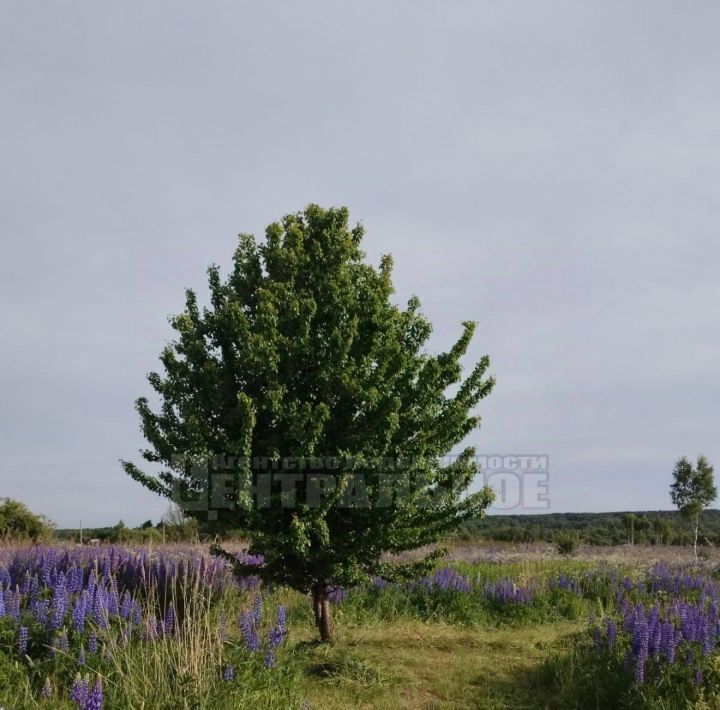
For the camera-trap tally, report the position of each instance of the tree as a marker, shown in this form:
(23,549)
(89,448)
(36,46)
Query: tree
(643,525)
(629,521)
(120,531)
(301,408)
(663,531)
(174,516)
(176,526)
(18,522)
(692,490)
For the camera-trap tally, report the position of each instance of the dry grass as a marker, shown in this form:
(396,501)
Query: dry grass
(504,553)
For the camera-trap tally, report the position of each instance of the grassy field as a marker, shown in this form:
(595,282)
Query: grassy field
(529,632)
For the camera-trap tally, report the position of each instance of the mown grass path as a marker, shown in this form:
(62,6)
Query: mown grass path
(417,665)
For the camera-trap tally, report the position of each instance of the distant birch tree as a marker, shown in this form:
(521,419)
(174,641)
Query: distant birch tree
(692,490)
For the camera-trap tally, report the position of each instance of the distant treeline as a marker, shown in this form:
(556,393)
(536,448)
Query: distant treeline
(176,531)
(662,527)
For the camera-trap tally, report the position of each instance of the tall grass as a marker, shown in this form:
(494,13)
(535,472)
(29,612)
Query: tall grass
(141,668)
(184,666)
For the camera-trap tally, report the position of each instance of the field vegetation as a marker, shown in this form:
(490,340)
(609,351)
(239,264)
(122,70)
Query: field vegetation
(169,627)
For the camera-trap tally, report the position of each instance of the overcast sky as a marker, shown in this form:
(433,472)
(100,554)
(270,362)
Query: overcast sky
(549,169)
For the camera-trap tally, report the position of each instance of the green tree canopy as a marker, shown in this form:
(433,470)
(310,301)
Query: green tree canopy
(18,522)
(692,490)
(302,360)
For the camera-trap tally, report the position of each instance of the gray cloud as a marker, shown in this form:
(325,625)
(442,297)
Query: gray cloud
(550,170)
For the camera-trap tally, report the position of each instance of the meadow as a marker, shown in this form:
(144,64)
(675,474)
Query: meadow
(491,627)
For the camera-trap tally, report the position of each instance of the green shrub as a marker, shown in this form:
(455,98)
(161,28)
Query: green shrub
(566,543)
(18,522)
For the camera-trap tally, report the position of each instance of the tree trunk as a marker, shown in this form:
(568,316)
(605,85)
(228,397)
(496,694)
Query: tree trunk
(323,615)
(697,525)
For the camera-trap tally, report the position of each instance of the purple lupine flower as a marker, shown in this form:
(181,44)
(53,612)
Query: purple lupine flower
(60,603)
(47,691)
(228,673)
(269,659)
(136,615)
(79,612)
(611,632)
(40,609)
(170,620)
(667,632)
(276,636)
(337,594)
(698,678)
(47,561)
(92,585)
(113,598)
(655,632)
(507,592)
(257,612)
(249,631)
(12,603)
(446,579)
(687,622)
(93,643)
(79,692)
(640,669)
(126,605)
(22,640)
(99,611)
(75,579)
(379,583)
(81,657)
(640,634)
(25,586)
(34,587)
(277,633)
(94,699)
(564,582)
